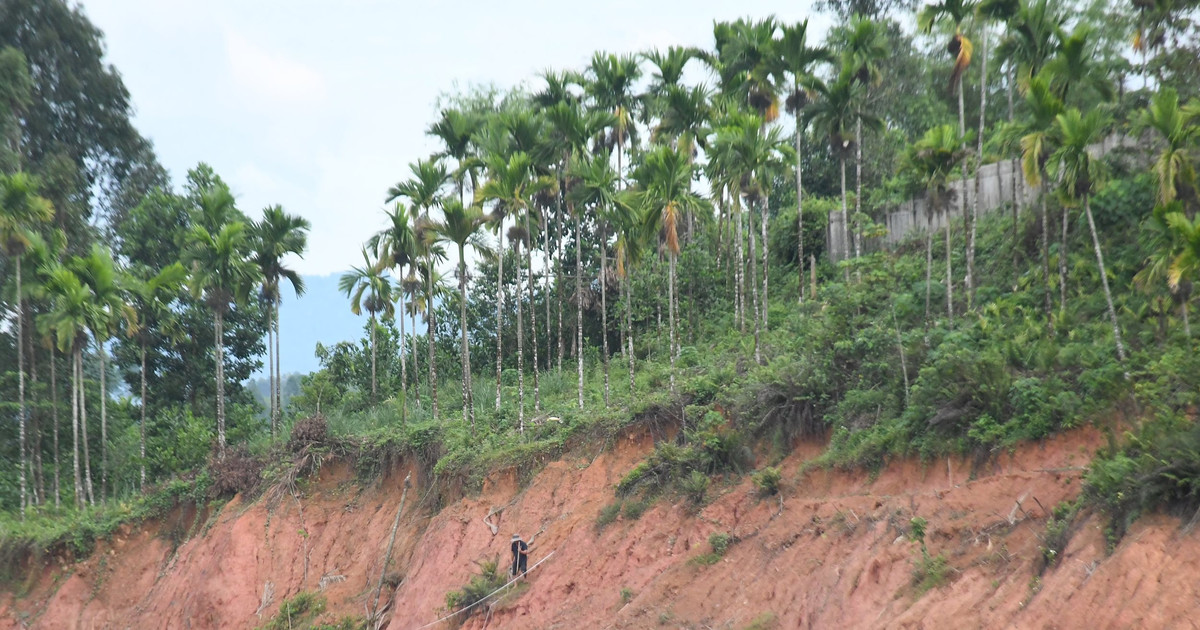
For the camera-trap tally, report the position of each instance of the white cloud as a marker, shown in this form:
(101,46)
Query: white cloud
(271,78)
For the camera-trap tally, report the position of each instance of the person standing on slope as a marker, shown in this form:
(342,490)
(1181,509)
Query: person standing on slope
(520,556)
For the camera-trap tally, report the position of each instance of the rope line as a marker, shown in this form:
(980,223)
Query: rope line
(489,595)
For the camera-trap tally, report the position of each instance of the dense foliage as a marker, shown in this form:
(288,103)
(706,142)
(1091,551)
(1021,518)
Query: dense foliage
(707,256)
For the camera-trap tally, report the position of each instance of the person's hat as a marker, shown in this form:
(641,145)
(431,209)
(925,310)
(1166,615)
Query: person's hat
(516,537)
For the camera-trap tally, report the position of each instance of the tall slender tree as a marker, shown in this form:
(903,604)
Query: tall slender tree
(460,225)
(221,271)
(21,209)
(276,236)
(395,248)
(369,289)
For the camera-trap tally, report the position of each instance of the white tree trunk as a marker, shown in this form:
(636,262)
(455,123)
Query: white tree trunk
(499,312)
(1112,312)
(799,212)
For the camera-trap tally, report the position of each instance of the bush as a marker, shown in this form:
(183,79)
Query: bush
(296,611)
(480,586)
(635,509)
(767,481)
(607,515)
(719,542)
(695,487)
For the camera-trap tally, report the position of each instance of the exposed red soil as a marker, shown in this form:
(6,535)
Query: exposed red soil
(832,553)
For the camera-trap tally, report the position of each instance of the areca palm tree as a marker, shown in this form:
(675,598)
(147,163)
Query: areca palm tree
(800,61)
(572,129)
(431,253)
(748,63)
(666,77)
(150,298)
(100,273)
(865,48)
(507,187)
(665,192)
(68,318)
(276,236)
(610,84)
(957,13)
(222,272)
(370,290)
(630,246)
(1037,142)
(598,189)
(1179,128)
(21,208)
(460,225)
(395,248)
(1080,175)
(456,129)
(930,161)
(836,115)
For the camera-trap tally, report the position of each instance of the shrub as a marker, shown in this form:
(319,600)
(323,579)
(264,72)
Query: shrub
(635,509)
(719,542)
(767,481)
(626,595)
(695,487)
(607,515)
(480,586)
(296,610)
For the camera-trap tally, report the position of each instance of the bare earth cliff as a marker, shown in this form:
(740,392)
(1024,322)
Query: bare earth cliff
(833,553)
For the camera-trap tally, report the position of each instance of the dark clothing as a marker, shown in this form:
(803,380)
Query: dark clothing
(520,552)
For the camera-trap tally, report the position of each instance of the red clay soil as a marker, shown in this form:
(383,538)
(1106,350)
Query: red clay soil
(832,553)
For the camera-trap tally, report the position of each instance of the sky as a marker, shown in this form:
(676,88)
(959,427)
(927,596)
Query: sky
(321,106)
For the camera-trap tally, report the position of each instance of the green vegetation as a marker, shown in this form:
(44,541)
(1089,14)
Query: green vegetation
(480,586)
(929,571)
(739,330)
(719,543)
(298,611)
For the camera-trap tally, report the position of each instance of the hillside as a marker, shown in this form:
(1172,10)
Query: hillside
(831,550)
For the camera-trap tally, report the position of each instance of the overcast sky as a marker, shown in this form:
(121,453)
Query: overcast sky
(320,106)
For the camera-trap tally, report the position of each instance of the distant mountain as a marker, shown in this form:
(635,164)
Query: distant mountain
(322,315)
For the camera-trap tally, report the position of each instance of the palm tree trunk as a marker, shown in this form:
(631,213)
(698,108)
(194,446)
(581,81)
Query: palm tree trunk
(278,371)
(87,458)
(1016,198)
(1112,312)
(845,221)
(403,359)
(1045,219)
(533,333)
(431,318)
(374,391)
(76,360)
(962,205)
(754,283)
(857,192)
(468,399)
(499,312)
(928,260)
(629,332)
(271,368)
(1062,259)
(21,380)
(219,334)
(415,361)
(671,316)
(558,279)
(765,268)
(520,346)
(978,165)
(54,416)
(578,306)
(799,211)
(1183,309)
(546,289)
(740,268)
(604,306)
(103,420)
(949,275)
(142,424)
